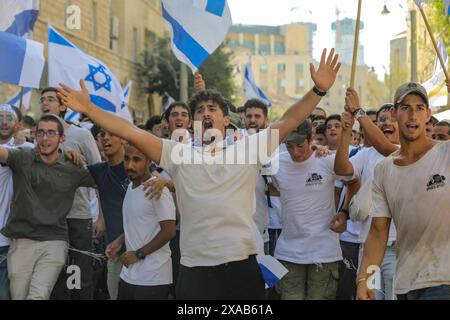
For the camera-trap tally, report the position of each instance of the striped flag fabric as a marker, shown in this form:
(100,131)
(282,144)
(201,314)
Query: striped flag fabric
(197,28)
(251,90)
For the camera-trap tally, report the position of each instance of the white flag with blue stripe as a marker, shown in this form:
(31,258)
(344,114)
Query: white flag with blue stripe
(21,60)
(197,28)
(15,100)
(124,111)
(436,88)
(251,90)
(447,6)
(68,64)
(273,271)
(18,16)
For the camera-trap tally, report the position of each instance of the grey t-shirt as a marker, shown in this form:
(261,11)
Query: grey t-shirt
(417,198)
(82,141)
(43,195)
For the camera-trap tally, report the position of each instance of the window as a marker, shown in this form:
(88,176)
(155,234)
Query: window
(150,40)
(263,68)
(135,44)
(233,43)
(250,45)
(279,48)
(114,34)
(264,49)
(300,83)
(94,21)
(281,67)
(281,83)
(299,67)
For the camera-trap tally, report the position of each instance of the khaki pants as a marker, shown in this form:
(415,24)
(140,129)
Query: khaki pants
(34,266)
(309,281)
(113,279)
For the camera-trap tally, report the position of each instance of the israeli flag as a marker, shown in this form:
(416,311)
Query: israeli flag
(251,90)
(447,6)
(197,28)
(68,64)
(21,60)
(124,111)
(18,16)
(271,269)
(26,97)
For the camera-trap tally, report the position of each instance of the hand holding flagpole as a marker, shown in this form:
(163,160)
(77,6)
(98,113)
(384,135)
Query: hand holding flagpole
(355,46)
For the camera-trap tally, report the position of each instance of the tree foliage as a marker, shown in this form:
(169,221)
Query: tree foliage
(159,71)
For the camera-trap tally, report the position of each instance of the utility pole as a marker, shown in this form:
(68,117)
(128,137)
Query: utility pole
(413,15)
(183,82)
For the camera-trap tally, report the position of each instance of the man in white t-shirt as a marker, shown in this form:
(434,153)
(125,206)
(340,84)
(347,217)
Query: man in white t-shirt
(148,227)
(411,186)
(360,167)
(256,120)
(8,127)
(218,246)
(307,246)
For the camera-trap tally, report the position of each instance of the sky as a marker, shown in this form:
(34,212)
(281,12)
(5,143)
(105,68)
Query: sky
(376,36)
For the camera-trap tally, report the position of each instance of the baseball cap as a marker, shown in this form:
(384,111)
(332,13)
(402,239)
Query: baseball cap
(301,133)
(408,88)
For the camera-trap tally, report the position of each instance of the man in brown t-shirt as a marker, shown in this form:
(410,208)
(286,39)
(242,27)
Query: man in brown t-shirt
(44,189)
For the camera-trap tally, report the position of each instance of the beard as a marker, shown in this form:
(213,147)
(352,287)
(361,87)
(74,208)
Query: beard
(49,151)
(8,135)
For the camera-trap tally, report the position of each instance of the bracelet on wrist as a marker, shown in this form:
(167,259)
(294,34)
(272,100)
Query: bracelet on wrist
(318,92)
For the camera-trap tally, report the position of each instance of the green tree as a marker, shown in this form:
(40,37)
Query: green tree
(439,23)
(159,72)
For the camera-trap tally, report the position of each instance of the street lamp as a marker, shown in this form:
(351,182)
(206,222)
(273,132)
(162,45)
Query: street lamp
(385,10)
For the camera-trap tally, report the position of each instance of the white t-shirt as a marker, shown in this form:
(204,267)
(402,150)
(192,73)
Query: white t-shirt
(307,198)
(261,215)
(417,197)
(364,163)
(351,234)
(7,190)
(215,200)
(141,219)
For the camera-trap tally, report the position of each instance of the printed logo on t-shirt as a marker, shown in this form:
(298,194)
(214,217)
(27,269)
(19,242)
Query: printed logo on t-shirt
(314,179)
(435,181)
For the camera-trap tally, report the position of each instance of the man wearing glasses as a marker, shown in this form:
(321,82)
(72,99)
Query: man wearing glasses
(9,120)
(44,189)
(79,220)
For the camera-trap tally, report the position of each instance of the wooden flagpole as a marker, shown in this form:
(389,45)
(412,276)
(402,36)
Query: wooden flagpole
(355,46)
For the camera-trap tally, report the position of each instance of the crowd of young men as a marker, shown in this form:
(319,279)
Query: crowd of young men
(190,198)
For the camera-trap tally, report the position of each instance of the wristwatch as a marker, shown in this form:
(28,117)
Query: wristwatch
(318,92)
(359,113)
(140,254)
(347,213)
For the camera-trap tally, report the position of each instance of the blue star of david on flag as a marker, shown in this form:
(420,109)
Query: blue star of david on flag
(97,85)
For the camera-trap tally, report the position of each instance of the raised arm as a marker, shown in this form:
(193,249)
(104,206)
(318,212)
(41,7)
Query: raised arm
(79,101)
(342,164)
(371,131)
(3,155)
(323,79)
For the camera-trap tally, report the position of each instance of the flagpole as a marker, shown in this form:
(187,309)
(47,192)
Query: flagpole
(441,60)
(20,98)
(355,46)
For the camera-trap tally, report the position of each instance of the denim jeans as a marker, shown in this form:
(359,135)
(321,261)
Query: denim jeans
(4,280)
(273,237)
(387,275)
(431,293)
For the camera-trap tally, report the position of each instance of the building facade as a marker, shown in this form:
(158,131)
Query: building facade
(114,31)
